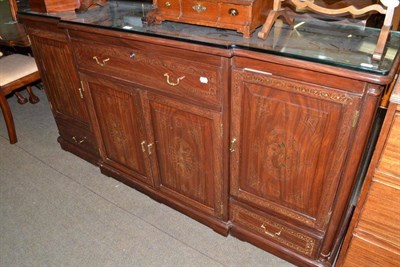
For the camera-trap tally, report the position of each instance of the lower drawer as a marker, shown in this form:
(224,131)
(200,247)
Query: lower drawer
(78,136)
(273,230)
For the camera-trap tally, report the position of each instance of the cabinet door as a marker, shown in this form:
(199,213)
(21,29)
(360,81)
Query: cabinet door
(119,123)
(186,152)
(58,74)
(289,143)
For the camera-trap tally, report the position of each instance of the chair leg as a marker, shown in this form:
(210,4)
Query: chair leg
(20,98)
(8,119)
(33,99)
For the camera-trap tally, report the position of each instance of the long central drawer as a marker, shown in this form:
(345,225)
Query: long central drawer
(189,74)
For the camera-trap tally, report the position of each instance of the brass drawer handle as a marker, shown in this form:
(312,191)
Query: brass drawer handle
(167,4)
(172,83)
(102,63)
(269,233)
(232,148)
(78,141)
(199,8)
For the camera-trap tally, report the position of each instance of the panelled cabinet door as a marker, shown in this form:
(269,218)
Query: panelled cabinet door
(186,152)
(289,143)
(119,124)
(59,74)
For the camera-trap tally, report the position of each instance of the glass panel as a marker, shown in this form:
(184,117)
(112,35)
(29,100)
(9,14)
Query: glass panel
(349,45)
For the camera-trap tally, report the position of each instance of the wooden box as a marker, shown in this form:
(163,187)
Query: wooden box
(46,6)
(241,15)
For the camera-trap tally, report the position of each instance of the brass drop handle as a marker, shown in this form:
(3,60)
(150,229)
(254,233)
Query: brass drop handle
(172,83)
(269,233)
(149,148)
(233,12)
(143,143)
(102,63)
(78,141)
(199,8)
(232,148)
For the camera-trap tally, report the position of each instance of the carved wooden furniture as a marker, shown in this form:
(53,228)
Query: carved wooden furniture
(239,15)
(387,8)
(16,71)
(257,145)
(374,233)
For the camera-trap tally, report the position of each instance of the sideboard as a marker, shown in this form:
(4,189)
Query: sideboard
(258,139)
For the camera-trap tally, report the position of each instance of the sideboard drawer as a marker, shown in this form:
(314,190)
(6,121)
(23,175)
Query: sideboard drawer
(187,74)
(272,230)
(78,137)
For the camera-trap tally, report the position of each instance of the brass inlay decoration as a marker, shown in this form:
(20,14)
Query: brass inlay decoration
(115,132)
(293,86)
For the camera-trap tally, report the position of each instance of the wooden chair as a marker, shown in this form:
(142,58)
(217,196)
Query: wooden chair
(385,7)
(16,71)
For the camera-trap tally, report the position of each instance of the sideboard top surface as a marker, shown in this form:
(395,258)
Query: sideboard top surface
(348,45)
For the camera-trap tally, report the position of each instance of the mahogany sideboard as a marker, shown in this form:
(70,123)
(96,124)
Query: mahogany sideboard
(258,139)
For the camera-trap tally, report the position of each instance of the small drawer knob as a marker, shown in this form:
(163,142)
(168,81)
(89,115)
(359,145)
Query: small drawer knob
(233,12)
(132,55)
(167,4)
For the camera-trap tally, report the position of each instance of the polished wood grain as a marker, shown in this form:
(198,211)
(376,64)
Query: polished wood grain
(187,148)
(119,120)
(282,131)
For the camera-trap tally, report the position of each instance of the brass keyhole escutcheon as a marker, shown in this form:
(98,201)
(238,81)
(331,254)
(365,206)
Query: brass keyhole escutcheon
(233,12)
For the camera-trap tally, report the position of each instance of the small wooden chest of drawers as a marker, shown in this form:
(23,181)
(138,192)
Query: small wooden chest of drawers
(373,238)
(241,15)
